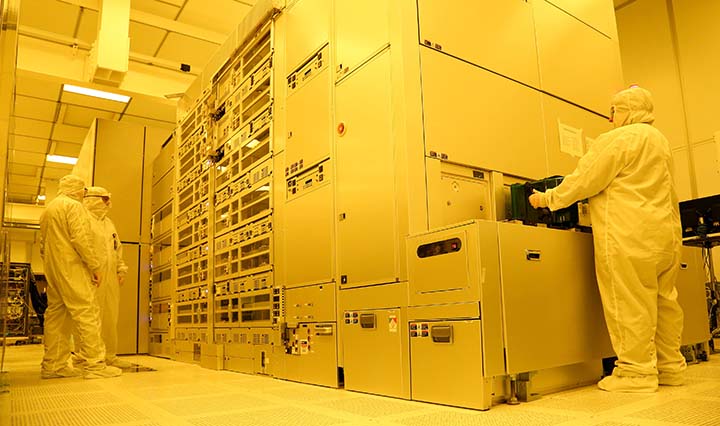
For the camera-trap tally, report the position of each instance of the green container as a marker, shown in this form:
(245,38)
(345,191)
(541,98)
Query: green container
(522,210)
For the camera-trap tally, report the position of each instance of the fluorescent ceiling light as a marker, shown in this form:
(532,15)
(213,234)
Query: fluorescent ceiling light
(96,93)
(252,144)
(61,159)
(264,188)
(41,198)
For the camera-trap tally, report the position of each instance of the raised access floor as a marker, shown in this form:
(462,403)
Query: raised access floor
(179,394)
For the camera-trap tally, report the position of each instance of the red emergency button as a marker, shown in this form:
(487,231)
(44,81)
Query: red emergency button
(341,129)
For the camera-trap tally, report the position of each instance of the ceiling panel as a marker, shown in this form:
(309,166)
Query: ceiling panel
(67,133)
(83,117)
(25,143)
(21,198)
(187,50)
(37,109)
(165,8)
(225,15)
(148,122)
(25,157)
(36,87)
(50,15)
(23,169)
(87,30)
(54,173)
(34,128)
(143,107)
(93,102)
(23,180)
(66,149)
(145,39)
(20,188)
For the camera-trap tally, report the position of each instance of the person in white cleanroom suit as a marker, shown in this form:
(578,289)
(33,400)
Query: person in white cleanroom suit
(627,177)
(113,270)
(72,268)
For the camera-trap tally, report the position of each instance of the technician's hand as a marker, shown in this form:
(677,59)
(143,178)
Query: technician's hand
(121,279)
(537,199)
(96,279)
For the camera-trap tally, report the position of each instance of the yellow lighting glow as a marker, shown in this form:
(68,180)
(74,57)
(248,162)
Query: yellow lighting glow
(252,144)
(61,159)
(96,93)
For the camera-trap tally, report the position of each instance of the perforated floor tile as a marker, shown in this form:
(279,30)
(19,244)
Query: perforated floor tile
(372,406)
(211,404)
(589,400)
(54,387)
(59,401)
(276,417)
(684,411)
(94,416)
(485,418)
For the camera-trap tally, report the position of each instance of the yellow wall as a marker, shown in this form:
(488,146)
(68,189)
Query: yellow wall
(668,46)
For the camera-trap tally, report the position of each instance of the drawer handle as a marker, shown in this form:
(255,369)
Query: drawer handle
(532,255)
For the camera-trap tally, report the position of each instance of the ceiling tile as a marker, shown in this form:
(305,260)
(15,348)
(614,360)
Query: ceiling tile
(55,173)
(93,102)
(37,109)
(19,188)
(145,39)
(25,143)
(25,157)
(148,122)
(66,133)
(49,15)
(23,169)
(223,17)
(35,87)
(34,128)
(66,149)
(83,117)
(165,8)
(187,50)
(149,108)
(21,198)
(87,30)
(23,180)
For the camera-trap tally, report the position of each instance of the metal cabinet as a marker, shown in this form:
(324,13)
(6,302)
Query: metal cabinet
(477,118)
(355,40)
(375,351)
(367,223)
(445,360)
(577,62)
(309,228)
(499,36)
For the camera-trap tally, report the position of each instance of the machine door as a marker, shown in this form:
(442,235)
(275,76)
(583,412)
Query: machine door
(548,284)
(446,363)
(376,353)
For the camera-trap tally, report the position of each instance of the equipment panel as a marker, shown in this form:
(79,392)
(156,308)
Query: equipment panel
(308,114)
(312,303)
(445,362)
(509,24)
(577,63)
(364,137)
(309,228)
(470,118)
(376,352)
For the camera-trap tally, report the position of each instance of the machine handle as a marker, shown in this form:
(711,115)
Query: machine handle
(533,255)
(367,320)
(323,330)
(441,333)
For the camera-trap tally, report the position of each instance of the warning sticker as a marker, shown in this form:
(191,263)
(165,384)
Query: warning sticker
(392,324)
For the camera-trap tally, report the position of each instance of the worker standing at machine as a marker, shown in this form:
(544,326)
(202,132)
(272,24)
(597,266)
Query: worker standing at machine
(113,271)
(72,267)
(627,177)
